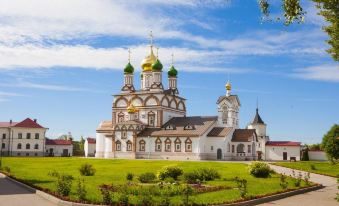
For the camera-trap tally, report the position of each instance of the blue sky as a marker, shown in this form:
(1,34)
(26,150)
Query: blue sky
(60,61)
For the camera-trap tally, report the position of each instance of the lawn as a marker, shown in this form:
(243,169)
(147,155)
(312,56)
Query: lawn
(35,171)
(325,168)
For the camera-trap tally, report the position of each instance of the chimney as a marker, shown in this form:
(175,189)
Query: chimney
(10,122)
(35,120)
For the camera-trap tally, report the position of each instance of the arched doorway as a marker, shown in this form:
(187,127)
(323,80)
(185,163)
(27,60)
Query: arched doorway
(219,154)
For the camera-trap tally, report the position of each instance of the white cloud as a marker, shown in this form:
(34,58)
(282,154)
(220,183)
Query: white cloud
(321,72)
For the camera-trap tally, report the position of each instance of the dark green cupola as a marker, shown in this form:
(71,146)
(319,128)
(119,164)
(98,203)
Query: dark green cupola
(157,66)
(129,69)
(172,72)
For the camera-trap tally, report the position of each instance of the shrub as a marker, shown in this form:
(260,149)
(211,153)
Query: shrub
(6,169)
(307,178)
(260,169)
(187,193)
(123,199)
(63,183)
(87,170)
(201,174)
(242,186)
(169,180)
(146,177)
(81,190)
(313,167)
(170,171)
(192,177)
(129,176)
(106,196)
(283,181)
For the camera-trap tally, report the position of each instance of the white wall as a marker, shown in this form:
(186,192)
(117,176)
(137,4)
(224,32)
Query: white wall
(276,152)
(89,149)
(317,155)
(58,149)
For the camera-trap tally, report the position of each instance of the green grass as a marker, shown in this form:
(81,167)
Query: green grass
(35,171)
(325,168)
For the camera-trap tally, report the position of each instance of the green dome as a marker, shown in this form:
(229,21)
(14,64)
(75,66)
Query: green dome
(172,72)
(157,66)
(129,69)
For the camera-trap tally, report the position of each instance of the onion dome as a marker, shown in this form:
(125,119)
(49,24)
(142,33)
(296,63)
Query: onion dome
(147,62)
(129,69)
(131,109)
(228,86)
(172,72)
(157,66)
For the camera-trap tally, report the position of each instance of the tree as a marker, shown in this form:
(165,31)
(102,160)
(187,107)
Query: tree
(330,143)
(82,143)
(293,12)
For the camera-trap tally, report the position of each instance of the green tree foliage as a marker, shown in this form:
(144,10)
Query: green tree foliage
(305,156)
(330,143)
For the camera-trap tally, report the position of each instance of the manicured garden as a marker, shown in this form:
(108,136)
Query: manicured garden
(325,168)
(139,181)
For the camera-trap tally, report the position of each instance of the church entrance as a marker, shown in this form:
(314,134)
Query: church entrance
(219,154)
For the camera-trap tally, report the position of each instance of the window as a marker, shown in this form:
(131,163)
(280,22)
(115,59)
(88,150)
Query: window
(121,117)
(28,136)
(211,148)
(224,114)
(189,127)
(151,119)
(232,148)
(3,136)
(240,148)
(228,147)
(27,154)
(118,145)
(248,148)
(170,127)
(168,145)
(19,154)
(123,134)
(3,145)
(177,143)
(129,145)
(158,145)
(20,136)
(19,146)
(28,146)
(36,135)
(142,145)
(35,154)
(188,145)
(36,146)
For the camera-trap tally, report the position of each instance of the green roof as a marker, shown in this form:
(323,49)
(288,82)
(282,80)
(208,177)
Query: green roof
(157,66)
(172,72)
(129,69)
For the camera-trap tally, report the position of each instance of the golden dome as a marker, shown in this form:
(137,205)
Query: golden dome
(147,62)
(228,86)
(131,109)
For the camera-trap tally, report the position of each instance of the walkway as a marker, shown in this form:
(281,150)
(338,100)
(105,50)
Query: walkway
(12,194)
(322,197)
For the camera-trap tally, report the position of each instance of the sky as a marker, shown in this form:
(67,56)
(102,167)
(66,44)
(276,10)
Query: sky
(61,61)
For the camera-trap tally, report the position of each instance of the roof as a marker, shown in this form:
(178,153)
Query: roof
(27,123)
(91,140)
(282,143)
(219,131)
(232,98)
(243,135)
(181,126)
(257,119)
(105,126)
(58,142)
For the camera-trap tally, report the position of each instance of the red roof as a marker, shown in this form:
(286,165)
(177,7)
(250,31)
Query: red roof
(91,140)
(7,124)
(28,123)
(58,142)
(282,143)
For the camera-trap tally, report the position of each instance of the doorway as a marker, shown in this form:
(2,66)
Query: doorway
(284,155)
(219,154)
(65,152)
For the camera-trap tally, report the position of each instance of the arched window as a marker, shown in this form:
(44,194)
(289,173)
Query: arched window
(142,144)
(118,145)
(188,145)
(248,148)
(36,146)
(177,144)
(121,117)
(158,145)
(28,146)
(151,119)
(19,146)
(129,145)
(168,145)
(123,134)
(224,114)
(240,148)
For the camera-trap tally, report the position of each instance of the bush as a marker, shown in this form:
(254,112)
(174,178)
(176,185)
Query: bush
(129,176)
(313,167)
(81,190)
(7,169)
(283,182)
(201,174)
(242,186)
(146,177)
(106,196)
(87,170)
(170,171)
(260,169)
(63,184)
(123,199)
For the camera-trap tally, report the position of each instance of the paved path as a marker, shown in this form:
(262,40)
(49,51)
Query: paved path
(322,197)
(12,194)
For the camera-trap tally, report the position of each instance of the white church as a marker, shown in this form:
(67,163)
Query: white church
(151,123)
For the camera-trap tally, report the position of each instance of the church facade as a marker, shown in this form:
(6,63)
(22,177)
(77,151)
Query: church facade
(151,123)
